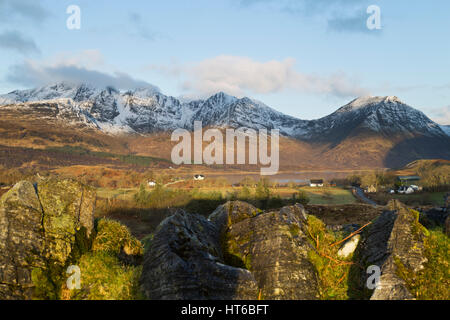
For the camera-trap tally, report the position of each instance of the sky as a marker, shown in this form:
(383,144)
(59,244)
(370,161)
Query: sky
(304,58)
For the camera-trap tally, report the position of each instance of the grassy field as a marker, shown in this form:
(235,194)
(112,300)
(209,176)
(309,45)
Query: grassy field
(423,198)
(330,195)
(436,198)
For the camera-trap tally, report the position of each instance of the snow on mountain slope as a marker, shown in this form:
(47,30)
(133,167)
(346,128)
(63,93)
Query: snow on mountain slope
(446,129)
(146,110)
(382,115)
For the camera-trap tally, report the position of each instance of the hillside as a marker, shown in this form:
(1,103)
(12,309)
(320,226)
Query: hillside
(368,132)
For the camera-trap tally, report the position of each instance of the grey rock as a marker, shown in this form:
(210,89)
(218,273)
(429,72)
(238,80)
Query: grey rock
(185,261)
(38,227)
(240,252)
(391,239)
(274,248)
(21,240)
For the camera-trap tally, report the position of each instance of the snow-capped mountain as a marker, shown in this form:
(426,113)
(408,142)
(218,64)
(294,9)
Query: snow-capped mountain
(446,129)
(382,115)
(147,110)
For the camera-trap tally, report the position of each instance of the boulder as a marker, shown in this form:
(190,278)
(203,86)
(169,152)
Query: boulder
(434,217)
(273,246)
(396,237)
(185,261)
(40,226)
(21,240)
(240,252)
(68,206)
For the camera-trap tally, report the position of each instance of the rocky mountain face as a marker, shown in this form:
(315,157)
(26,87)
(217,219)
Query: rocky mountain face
(367,132)
(386,116)
(146,110)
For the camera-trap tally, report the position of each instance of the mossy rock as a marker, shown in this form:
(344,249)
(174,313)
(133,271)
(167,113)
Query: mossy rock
(231,213)
(68,206)
(43,229)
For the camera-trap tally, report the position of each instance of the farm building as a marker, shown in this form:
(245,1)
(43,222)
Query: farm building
(408,180)
(152,183)
(198,177)
(316,183)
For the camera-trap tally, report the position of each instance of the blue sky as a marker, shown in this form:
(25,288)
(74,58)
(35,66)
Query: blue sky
(302,57)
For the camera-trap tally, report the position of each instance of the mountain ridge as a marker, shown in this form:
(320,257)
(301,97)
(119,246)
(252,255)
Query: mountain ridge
(380,132)
(147,110)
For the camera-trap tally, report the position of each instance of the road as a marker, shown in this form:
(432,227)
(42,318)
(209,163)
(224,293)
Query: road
(359,193)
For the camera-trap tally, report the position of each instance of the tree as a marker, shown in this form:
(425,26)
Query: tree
(142,197)
(369,179)
(245,193)
(262,191)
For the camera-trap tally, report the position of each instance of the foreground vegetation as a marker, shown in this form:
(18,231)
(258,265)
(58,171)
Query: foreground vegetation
(433,281)
(109,267)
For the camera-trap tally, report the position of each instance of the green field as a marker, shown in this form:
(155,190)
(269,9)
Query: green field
(330,195)
(434,198)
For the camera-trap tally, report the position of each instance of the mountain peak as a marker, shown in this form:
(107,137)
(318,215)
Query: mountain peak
(366,101)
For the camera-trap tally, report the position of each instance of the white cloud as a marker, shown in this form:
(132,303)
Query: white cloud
(241,76)
(81,67)
(440,115)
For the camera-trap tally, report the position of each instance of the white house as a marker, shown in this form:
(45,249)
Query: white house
(198,177)
(316,183)
(152,183)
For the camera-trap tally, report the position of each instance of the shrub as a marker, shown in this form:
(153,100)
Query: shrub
(104,277)
(333,273)
(433,281)
(115,238)
(301,197)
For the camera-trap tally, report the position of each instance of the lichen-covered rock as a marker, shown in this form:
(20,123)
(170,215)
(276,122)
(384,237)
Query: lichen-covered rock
(21,240)
(185,261)
(240,252)
(273,246)
(231,213)
(395,238)
(39,229)
(68,206)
